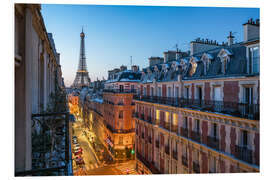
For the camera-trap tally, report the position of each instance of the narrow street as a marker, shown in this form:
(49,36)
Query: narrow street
(92,165)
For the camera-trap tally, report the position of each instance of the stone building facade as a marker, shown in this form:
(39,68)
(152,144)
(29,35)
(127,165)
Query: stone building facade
(201,114)
(37,75)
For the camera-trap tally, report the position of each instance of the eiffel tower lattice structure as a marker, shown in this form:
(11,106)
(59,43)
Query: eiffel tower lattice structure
(82,78)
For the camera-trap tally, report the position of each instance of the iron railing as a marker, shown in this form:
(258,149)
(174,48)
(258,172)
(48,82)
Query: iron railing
(243,153)
(184,132)
(195,136)
(196,167)
(50,145)
(242,110)
(149,165)
(113,130)
(120,90)
(213,142)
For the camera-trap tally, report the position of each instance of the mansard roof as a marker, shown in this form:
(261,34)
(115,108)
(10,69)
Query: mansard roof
(126,76)
(236,65)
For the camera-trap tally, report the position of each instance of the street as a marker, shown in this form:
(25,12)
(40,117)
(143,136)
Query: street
(92,165)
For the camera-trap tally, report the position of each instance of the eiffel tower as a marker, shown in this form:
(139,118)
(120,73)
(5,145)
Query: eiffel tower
(82,78)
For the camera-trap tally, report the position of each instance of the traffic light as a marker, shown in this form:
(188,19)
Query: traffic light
(132,151)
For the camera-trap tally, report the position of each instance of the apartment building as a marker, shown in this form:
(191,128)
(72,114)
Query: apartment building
(200,114)
(118,109)
(37,75)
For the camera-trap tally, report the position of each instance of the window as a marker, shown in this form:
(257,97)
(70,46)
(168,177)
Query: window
(159,91)
(217,93)
(244,138)
(248,95)
(187,92)
(152,91)
(185,125)
(121,114)
(177,92)
(199,93)
(225,61)
(169,91)
(144,91)
(214,130)
(254,58)
(121,87)
(132,87)
(197,126)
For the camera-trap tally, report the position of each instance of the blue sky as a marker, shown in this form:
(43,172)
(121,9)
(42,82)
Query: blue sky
(114,33)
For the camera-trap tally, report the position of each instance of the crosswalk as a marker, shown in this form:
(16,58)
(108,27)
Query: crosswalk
(93,166)
(127,170)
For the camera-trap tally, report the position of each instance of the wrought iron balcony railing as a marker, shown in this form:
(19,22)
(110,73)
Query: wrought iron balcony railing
(50,145)
(184,132)
(120,90)
(243,153)
(195,136)
(184,161)
(242,110)
(196,167)
(149,165)
(120,131)
(213,142)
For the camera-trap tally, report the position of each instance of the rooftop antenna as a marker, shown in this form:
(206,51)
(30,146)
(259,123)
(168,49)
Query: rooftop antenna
(176,47)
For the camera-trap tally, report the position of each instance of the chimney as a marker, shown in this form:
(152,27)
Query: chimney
(123,68)
(230,39)
(251,29)
(135,68)
(166,57)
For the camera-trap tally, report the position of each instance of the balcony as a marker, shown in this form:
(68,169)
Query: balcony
(149,165)
(120,131)
(184,161)
(195,136)
(149,119)
(184,132)
(157,144)
(213,142)
(243,153)
(133,91)
(175,155)
(242,110)
(174,129)
(50,145)
(142,116)
(196,167)
(167,150)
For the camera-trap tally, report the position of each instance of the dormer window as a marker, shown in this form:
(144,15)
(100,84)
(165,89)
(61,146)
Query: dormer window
(206,58)
(224,62)
(193,63)
(224,56)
